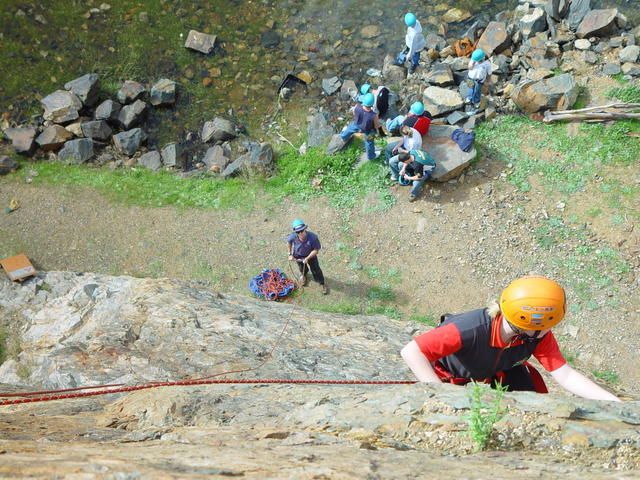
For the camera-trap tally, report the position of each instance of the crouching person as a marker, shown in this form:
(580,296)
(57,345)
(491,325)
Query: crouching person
(493,345)
(412,168)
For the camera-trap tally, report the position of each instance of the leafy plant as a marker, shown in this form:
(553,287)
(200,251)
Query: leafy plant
(608,376)
(628,93)
(483,416)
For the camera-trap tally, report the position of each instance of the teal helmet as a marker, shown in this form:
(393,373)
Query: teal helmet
(298,225)
(410,20)
(477,55)
(364,89)
(368,100)
(417,108)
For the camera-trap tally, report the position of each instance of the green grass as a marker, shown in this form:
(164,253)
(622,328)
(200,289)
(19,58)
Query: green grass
(608,376)
(3,345)
(484,415)
(429,319)
(627,93)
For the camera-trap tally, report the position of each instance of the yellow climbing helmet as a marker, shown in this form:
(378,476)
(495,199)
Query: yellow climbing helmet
(533,303)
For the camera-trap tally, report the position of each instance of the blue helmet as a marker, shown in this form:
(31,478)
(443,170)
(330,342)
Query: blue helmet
(417,108)
(477,55)
(364,89)
(410,20)
(298,225)
(368,100)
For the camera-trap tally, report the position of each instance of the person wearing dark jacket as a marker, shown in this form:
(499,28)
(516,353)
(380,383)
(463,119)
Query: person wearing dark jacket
(303,247)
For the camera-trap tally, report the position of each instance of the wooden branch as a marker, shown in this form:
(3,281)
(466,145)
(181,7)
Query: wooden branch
(588,116)
(617,105)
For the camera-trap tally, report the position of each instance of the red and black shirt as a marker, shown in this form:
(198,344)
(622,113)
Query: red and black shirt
(469,346)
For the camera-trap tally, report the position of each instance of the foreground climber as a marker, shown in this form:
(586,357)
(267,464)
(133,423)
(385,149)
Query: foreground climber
(493,344)
(303,246)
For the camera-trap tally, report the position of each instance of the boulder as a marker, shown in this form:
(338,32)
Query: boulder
(131,115)
(331,85)
(433,41)
(536,74)
(611,69)
(392,73)
(270,39)
(494,39)
(440,75)
(438,101)
(86,88)
(335,144)
(8,165)
(128,142)
(455,15)
(22,138)
(215,159)
(588,57)
(456,117)
(319,130)
(632,69)
(108,110)
(163,92)
(450,159)
(53,137)
(76,151)
(151,160)
(201,42)
(349,90)
(534,22)
(172,155)
(577,11)
(218,130)
(582,44)
(557,9)
(96,130)
(61,106)
(130,92)
(629,54)
(75,128)
(370,31)
(258,161)
(598,23)
(555,93)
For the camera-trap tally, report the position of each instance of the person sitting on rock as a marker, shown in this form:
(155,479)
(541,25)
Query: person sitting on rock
(303,246)
(381,95)
(365,121)
(493,345)
(411,140)
(479,71)
(416,169)
(414,43)
(417,118)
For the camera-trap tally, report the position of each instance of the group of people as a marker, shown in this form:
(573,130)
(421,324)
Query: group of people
(491,345)
(409,163)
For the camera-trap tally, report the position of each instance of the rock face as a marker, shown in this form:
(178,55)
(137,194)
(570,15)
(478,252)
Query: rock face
(451,161)
(200,42)
(494,39)
(555,93)
(391,72)
(440,75)
(438,101)
(533,23)
(77,151)
(577,10)
(53,137)
(163,92)
(128,142)
(331,85)
(218,130)
(86,88)
(598,23)
(85,329)
(61,106)
(22,138)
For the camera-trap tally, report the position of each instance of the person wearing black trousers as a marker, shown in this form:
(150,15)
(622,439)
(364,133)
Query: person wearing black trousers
(303,246)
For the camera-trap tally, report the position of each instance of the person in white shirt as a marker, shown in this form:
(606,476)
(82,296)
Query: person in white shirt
(414,43)
(479,71)
(411,140)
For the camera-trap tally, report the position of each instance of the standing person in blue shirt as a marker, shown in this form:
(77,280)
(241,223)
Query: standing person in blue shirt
(414,43)
(479,71)
(365,120)
(303,247)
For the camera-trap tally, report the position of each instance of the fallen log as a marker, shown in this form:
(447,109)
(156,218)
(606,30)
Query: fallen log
(588,116)
(603,108)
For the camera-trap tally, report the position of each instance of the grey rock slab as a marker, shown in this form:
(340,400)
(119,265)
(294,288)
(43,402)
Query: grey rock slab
(582,44)
(151,160)
(218,130)
(8,165)
(86,88)
(440,75)
(598,23)
(349,90)
(336,144)
(108,110)
(331,85)
(438,101)
(128,142)
(130,92)
(172,155)
(629,54)
(270,39)
(557,9)
(61,106)
(259,161)
(319,131)
(97,129)
(131,115)
(577,11)
(590,57)
(393,74)
(77,151)
(450,160)
(163,92)
(53,137)
(456,117)
(611,69)
(201,42)
(215,159)
(22,138)
(533,23)
(555,93)
(436,42)
(494,39)
(632,69)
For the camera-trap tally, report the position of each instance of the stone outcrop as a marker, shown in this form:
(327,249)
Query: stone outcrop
(258,161)
(494,39)
(85,329)
(163,92)
(451,161)
(129,141)
(97,130)
(598,23)
(392,73)
(131,115)
(172,155)
(438,101)
(108,110)
(151,160)
(22,138)
(555,93)
(77,151)
(319,130)
(61,106)
(130,92)
(53,137)
(216,159)
(218,130)
(86,88)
